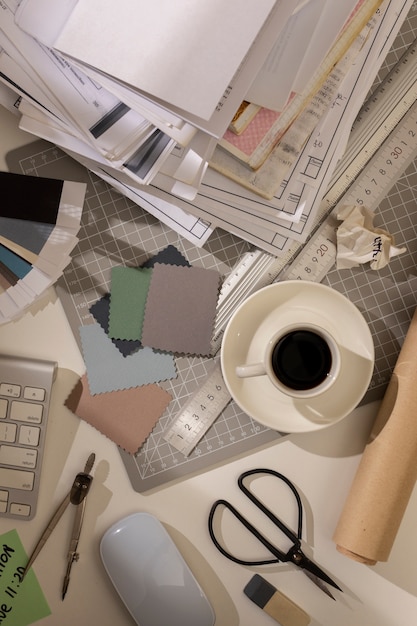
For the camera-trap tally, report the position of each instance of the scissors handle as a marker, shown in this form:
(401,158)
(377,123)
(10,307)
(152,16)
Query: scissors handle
(295,538)
(278,554)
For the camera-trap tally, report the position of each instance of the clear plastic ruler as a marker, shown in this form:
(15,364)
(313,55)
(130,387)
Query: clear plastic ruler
(382,145)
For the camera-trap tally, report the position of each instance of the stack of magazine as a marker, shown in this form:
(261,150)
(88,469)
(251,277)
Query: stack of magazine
(234,112)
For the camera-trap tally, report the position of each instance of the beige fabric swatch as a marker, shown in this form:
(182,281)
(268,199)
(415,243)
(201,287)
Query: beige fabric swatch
(127,417)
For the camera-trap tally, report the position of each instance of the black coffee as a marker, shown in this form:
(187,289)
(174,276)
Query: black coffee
(301,360)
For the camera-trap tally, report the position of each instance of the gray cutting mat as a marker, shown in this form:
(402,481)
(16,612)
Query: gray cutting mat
(115,231)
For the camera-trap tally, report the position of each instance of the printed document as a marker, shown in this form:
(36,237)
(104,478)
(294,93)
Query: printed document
(203,44)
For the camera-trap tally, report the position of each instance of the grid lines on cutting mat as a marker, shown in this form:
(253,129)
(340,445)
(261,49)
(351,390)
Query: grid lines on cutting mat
(115,230)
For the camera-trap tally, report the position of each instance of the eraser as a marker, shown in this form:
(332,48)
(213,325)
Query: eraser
(275,603)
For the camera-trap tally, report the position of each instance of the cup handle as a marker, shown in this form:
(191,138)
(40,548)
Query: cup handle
(250,370)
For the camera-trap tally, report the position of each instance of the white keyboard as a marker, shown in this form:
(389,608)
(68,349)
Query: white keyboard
(25,391)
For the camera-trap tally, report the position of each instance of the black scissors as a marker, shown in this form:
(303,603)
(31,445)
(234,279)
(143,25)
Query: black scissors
(294,555)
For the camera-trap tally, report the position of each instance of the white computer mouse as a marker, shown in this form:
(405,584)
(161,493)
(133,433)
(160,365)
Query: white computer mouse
(151,576)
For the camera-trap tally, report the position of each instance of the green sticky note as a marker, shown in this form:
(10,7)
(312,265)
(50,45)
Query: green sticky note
(129,290)
(21,601)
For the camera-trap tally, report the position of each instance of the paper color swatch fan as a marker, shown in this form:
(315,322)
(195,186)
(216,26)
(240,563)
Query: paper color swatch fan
(39,222)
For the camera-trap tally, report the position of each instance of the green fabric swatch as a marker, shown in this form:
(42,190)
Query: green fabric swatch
(129,290)
(22,602)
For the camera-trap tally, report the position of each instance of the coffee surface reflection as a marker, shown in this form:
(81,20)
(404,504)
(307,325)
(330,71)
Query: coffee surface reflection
(301,359)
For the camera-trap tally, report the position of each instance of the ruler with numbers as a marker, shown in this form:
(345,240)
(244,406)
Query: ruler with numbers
(382,145)
(199,413)
(369,188)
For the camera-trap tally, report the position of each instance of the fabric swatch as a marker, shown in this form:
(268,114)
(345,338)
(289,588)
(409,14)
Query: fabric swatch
(7,278)
(169,255)
(109,370)
(129,290)
(101,313)
(28,234)
(18,266)
(100,310)
(27,197)
(39,222)
(24,253)
(127,417)
(180,309)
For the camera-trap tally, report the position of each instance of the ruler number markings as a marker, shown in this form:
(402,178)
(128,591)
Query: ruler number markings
(199,413)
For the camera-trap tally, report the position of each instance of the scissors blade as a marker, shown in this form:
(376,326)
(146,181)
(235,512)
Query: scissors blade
(47,532)
(313,571)
(320,584)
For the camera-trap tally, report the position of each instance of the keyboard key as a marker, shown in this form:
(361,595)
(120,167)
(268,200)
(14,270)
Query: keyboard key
(25,393)
(20,509)
(29,435)
(16,479)
(13,391)
(8,432)
(3,408)
(34,393)
(19,457)
(26,412)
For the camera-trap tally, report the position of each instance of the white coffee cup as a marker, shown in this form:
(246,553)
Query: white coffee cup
(301,360)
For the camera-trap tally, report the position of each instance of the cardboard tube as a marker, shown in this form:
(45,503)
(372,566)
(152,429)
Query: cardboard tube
(387,472)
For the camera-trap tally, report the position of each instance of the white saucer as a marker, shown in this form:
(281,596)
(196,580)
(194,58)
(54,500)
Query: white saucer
(261,316)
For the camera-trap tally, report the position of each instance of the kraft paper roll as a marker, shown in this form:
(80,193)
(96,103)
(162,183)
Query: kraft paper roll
(387,472)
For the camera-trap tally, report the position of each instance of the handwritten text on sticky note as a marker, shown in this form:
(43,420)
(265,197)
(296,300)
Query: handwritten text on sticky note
(21,601)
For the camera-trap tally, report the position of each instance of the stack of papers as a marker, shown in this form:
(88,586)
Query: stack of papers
(234,112)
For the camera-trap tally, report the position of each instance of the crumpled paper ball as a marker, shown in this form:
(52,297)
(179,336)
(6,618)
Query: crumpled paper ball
(359,242)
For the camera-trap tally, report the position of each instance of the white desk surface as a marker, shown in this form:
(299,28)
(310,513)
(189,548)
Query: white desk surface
(321,464)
